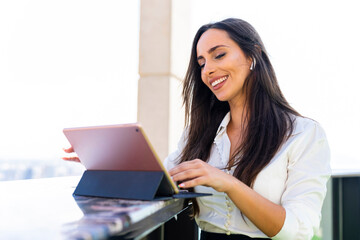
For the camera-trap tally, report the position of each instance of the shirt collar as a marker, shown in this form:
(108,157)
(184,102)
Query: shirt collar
(223,124)
(298,128)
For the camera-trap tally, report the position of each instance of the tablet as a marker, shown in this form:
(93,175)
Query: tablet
(122,147)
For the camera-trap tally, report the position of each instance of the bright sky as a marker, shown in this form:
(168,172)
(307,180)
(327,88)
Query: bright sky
(74,63)
(63,64)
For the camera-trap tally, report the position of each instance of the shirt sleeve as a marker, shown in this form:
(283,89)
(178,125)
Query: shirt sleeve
(173,158)
(308,171)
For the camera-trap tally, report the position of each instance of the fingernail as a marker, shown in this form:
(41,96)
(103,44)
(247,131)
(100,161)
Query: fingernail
(181,185)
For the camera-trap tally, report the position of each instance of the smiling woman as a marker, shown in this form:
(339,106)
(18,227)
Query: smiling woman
(223,64)
(305,45)
(260,159)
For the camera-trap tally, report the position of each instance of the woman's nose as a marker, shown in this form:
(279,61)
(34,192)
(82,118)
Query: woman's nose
(209,69)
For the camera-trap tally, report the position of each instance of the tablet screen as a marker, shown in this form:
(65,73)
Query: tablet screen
(115,147)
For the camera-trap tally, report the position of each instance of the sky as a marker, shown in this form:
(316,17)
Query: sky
(75,63)
(64,64)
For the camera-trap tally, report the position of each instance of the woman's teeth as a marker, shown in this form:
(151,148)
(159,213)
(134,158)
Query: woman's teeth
(218,81)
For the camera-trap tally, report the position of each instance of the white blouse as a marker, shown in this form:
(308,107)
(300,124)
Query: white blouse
(295,178)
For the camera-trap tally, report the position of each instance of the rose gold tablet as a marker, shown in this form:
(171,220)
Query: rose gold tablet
(122,147)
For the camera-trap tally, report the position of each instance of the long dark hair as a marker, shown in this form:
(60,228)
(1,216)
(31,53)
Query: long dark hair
(269,117)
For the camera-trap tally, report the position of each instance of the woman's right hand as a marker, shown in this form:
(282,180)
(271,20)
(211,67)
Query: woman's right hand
(71,155)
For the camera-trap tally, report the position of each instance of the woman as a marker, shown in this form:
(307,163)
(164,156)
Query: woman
(265,165)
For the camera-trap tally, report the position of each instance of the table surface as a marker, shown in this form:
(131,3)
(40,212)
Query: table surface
(39,208)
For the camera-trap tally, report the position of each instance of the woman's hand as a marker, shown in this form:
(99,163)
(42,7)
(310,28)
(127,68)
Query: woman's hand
(266,215)
(71,155)
(198,172)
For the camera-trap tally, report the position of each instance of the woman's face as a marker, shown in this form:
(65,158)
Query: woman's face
(224,66)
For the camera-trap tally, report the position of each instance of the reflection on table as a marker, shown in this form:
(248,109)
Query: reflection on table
(46,209)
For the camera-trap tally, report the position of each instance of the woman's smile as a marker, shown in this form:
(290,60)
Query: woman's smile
(217,82)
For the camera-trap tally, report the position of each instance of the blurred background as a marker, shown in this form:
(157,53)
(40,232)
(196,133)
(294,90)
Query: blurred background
(77,63)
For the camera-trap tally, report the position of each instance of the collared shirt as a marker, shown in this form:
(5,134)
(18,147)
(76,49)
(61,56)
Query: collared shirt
(295,179)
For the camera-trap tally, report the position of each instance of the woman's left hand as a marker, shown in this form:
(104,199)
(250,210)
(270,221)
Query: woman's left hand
(71,156)
(197,172)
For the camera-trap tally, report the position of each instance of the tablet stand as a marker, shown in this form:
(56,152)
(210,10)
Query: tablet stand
(139,185)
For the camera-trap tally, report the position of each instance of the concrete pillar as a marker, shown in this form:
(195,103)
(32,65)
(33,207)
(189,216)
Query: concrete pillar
(164,54)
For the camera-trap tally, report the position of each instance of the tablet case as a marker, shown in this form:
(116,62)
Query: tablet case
(135,185)
(121,163)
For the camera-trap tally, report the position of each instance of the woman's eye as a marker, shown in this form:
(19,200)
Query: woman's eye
(220,56)
(202,66)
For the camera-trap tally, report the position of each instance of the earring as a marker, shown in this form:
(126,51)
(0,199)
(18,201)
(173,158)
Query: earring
(253,64)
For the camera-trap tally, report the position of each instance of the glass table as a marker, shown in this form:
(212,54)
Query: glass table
(46,209)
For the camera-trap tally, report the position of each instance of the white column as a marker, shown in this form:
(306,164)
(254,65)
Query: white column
(164,54)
